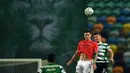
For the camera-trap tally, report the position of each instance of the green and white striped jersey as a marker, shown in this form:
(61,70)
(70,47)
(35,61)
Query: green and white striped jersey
(51,68)
(102,52)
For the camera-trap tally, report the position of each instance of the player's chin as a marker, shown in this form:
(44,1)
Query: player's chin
(96,40)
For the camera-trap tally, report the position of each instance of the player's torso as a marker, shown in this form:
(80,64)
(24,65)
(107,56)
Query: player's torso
(86,45)
(102,52)
(86,50)
(84,57)
(51,68)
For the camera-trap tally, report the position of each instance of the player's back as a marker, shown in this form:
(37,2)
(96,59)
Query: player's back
(52,68)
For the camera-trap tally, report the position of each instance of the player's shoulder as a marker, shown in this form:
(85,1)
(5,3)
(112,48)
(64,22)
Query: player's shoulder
(60,66)
(106,44)
(50,65)
(94,42)
(81,40)
(45,66)
(42,67)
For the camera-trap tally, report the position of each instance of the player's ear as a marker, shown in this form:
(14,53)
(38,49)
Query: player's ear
(90,35)
(84,35)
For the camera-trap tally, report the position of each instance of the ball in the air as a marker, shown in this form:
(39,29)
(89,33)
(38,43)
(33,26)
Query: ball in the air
(88,11)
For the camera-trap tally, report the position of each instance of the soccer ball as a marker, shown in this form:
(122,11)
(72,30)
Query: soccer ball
(88,11)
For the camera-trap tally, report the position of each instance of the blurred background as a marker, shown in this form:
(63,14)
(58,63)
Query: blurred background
(35,28)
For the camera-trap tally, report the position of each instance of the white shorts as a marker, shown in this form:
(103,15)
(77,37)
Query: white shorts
(84,67)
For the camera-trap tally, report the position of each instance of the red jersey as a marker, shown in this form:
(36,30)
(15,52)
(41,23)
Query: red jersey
(88,47)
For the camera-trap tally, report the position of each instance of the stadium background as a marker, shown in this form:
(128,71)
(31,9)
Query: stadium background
(34,28)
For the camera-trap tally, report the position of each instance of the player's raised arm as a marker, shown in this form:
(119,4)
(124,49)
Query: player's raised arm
(111,54)
(95,52)
(73,58)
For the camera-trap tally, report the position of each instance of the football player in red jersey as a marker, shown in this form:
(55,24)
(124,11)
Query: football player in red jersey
(87,52)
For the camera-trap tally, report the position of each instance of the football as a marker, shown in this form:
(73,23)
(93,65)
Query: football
(88,11)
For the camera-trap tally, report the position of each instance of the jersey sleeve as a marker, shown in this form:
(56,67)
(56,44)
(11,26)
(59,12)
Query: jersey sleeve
(39,70)
(108,47)
(79,45)
(62,69)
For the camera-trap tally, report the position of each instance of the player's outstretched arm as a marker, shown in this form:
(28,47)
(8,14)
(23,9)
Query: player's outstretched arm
(111,56)
(73,58)
(95,52)
(95,55)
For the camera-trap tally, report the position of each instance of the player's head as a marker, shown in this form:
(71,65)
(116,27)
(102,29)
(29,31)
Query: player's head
(87,35)
(51,57)
(97,37)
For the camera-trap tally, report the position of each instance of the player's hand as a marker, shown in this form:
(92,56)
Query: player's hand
(68,63)
(94,66)
(111,61)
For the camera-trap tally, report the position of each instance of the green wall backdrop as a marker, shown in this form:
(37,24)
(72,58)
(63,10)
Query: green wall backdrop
(34,28)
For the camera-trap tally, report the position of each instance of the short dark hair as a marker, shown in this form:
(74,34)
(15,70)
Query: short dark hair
(88,31)
(51,57)
(97,33)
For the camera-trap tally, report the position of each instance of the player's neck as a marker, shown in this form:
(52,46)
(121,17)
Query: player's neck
(88,39)
(99,42)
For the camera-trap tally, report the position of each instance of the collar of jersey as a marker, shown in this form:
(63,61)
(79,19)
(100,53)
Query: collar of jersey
(100,43)
(88,40)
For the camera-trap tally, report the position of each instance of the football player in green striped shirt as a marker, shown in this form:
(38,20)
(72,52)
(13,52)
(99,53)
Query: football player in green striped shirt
(51,67)
(103,51)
